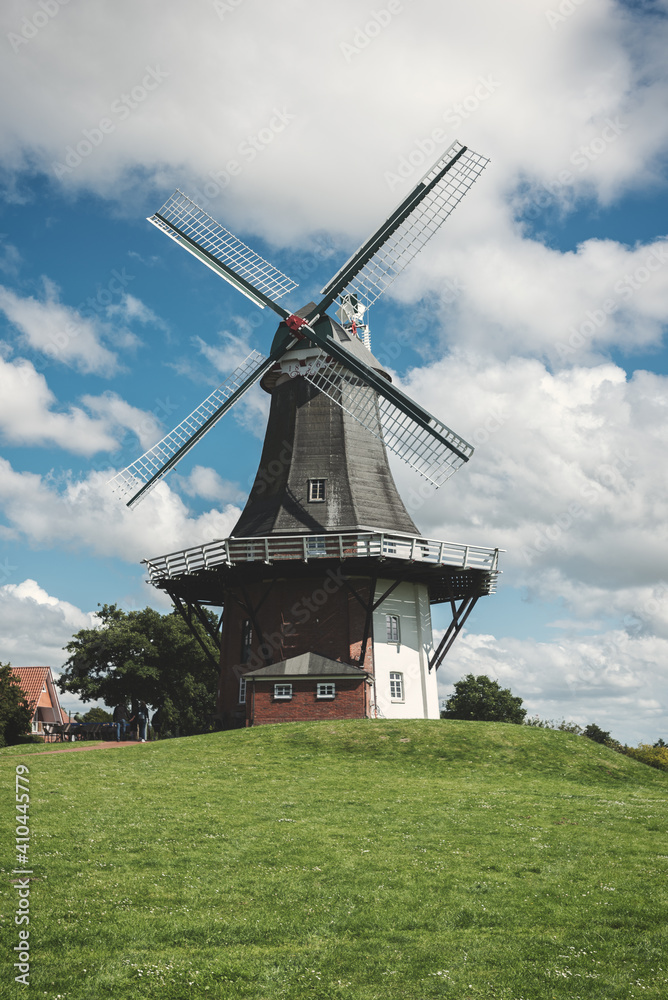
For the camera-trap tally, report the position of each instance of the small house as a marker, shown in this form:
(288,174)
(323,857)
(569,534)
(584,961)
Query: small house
(40,690)
(305,687)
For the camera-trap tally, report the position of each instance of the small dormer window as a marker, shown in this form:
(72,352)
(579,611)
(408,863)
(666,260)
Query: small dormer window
(316,490)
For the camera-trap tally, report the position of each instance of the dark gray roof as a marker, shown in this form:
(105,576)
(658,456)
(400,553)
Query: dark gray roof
(308,665)
(310,437)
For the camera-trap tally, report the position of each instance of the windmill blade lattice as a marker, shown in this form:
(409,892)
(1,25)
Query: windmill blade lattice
(436,453)
(137,479)
(372,268)
(198,233)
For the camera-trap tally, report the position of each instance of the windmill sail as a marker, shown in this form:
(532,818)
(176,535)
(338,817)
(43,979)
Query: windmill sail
(137,479)
(198,233)
(376,264)
(432,449)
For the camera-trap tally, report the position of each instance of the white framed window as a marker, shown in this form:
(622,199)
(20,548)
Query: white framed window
(282,692)
(326,690)
(392,627)
(242,690)
(396,686)
(316,490)
(316,545)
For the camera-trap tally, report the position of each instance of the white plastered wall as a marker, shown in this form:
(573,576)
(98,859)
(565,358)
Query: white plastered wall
(409,657)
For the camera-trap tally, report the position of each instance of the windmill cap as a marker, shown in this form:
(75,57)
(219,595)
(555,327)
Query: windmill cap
(327,326)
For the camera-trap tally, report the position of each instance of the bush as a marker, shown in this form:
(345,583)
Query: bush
(561,725)
(653,756)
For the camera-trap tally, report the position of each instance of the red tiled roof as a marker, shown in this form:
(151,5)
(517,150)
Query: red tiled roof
(33,680)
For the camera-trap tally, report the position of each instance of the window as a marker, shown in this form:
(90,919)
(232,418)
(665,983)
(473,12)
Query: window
(392,626)
(316,490)
(242,690)
(283,691)
(396,686)
(325,690)
(246,640)
(316,545)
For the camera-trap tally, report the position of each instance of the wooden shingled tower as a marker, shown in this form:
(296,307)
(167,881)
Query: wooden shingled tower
(325,582)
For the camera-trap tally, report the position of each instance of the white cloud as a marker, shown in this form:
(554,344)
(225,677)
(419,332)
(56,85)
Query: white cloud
(120,414)
(206,483)
(10,258)
(84,515)
(617,680)
(35,625)
(131,308)
(226,356)
(548,93)
(568,473)
(30,415)
(512,296)
(58,331)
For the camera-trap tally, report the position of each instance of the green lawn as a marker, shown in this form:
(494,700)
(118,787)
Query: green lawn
(363,859)
(20,751)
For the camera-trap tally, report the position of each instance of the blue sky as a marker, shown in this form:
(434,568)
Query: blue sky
(545,298)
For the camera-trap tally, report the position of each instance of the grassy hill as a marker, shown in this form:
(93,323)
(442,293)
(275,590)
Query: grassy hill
(365,860)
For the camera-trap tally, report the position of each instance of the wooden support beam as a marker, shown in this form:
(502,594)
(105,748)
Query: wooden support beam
(459,616)
(186,612)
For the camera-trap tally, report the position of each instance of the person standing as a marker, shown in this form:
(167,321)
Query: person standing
(141,718)
(120,718)
(156,722)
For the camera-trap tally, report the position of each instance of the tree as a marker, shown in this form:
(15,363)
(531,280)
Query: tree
(483,700)
(94,715)
(593,732)
(15,714)
(145,656)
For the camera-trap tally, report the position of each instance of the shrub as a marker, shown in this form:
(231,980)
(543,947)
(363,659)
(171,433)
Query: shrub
(561,725)
(646,754)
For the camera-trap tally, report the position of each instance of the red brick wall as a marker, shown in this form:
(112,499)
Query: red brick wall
(348,703)
(316,614)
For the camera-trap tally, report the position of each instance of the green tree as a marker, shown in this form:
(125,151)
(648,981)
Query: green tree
(483,700)
(145,656)
(595,733)
(96,715)
(15,714)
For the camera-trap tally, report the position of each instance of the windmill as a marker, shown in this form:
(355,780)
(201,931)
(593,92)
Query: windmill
(332,500)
